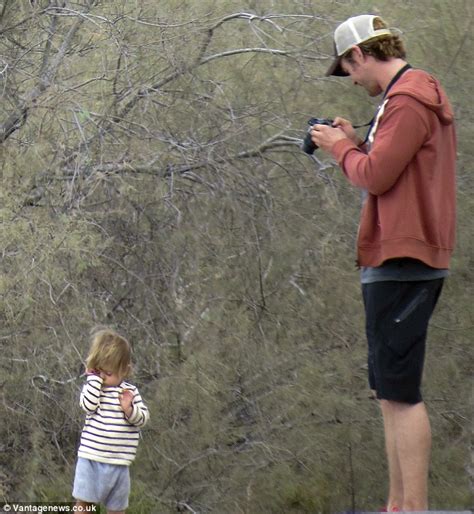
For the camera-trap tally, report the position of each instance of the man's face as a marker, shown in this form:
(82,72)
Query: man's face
(359,72)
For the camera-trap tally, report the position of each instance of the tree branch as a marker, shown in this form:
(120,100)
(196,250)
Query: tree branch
(236,51)
(18,118)
(200,60)
(275,142)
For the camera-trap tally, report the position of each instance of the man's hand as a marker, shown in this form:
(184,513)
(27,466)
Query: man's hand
(348,129)
(325,137)
(126,400)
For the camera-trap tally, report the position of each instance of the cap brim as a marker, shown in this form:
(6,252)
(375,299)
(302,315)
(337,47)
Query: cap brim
(336,69)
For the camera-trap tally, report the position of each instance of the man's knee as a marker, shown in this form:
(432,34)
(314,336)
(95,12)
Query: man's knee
(395,407)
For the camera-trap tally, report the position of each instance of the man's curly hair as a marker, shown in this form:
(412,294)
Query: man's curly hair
(383,47)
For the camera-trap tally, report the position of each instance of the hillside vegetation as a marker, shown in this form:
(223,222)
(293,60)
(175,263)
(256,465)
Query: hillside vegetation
(153,182)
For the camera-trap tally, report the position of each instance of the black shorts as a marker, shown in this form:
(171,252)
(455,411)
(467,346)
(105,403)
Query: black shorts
(397,316)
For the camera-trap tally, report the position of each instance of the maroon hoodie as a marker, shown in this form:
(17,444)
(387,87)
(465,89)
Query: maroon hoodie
(409,174)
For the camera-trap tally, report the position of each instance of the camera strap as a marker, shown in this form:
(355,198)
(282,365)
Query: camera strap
(395,78)
(390,84)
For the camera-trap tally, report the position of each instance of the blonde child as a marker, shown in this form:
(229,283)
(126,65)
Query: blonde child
(115,413)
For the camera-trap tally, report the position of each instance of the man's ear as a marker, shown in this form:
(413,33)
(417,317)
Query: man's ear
(357,54)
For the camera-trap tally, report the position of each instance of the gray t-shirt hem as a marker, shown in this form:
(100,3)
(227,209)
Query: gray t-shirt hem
(401,270)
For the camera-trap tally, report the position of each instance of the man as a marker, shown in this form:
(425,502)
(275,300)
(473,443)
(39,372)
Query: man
(406,167)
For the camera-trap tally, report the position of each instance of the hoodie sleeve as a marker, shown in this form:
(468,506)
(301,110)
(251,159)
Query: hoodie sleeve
(140,414)
(402,130)
(90,394)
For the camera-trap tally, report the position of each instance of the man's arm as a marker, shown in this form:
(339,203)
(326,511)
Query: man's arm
(402,131)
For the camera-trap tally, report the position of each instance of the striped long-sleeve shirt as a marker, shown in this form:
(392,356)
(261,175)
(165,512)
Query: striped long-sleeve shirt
(108,436)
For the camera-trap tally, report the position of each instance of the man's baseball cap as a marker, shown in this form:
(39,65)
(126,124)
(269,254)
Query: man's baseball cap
(353,31)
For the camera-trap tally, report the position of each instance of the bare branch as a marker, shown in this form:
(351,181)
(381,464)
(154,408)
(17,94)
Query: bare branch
(273,143)
(18,118)
(200,60)
(237,51)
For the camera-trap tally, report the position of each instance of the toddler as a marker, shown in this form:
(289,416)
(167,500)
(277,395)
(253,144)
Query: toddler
(109,439)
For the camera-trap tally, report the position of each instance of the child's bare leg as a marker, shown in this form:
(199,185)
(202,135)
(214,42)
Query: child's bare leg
(84,506)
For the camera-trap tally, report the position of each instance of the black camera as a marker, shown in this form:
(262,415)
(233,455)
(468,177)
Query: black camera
(308,146)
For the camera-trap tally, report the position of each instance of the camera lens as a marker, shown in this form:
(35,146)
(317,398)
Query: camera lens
(308,146)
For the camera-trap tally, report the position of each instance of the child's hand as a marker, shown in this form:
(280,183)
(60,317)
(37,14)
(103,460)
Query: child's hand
(126,400)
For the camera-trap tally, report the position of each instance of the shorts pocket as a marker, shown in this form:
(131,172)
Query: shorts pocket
(410,323)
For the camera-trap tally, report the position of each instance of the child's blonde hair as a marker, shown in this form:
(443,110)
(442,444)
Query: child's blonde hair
(110,351)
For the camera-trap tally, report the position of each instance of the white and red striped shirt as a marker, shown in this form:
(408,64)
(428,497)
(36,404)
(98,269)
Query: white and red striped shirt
(108,435)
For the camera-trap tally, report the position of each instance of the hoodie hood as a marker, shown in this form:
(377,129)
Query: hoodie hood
(427,90)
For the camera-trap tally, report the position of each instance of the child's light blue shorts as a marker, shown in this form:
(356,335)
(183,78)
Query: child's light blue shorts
(96,482)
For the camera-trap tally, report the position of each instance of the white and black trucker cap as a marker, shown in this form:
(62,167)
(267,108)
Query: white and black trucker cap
(353,31)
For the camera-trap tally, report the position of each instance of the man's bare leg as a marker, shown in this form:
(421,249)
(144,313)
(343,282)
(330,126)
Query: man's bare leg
(412,433)
(395,492)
